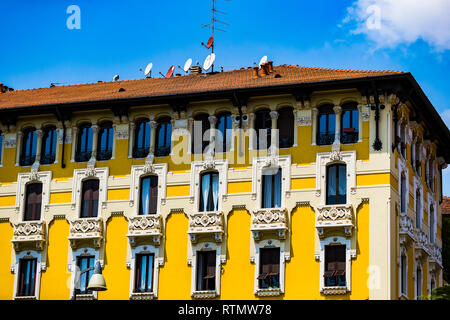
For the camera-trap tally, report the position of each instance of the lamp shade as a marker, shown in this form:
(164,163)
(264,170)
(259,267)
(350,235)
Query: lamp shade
(97,281)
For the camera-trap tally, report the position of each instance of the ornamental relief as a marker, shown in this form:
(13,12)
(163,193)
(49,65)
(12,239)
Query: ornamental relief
(10,143)
(269,216)
(205,219)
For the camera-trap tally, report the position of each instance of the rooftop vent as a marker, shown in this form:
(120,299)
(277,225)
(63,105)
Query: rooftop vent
(195,69)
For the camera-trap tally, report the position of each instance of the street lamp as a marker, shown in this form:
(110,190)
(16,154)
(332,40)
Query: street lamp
(97,281)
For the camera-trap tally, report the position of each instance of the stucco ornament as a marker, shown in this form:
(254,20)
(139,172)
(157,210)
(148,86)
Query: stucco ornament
(148,166)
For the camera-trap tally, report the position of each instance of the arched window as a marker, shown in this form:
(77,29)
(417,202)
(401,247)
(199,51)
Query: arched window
(349,123)
(419,283)
(263,128)
(142,139)
(416,163)
(33,202)
(271,188)
(223,138)
(326,125)
(29,142)
(403,193)
(27,277)
(200,135)
(84,143)
(403,140)
(89,201)
(285,125)
(336,184)
(163,137)
(335,265)
(105,141)
(144,272)
(206,270)
(432,227)
(148,202)
(48,150)
(418,209)
(209,191)
(430,175)
(85,263)
(403,274)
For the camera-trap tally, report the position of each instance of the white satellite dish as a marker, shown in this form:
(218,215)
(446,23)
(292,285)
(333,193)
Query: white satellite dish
(148,69)
(262,61)
(116,77)
(187,65)
(209,61)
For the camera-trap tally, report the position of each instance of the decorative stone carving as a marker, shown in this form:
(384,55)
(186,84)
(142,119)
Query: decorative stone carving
(86,230)
(145,227)
(142,296)
(122,134)
(421,244)
(334,218)
(10,143)
(406,230)
(334,290)
(270,292)
(304,121)
(206,223)
(148,166)
(336,155)
(29,234)
(435,258)
(269,220)
(207,294)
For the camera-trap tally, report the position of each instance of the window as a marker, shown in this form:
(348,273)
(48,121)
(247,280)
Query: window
(1,146)
(223,139)
(148,195)
(349,124)
(105,141)
(271,189)
(84,263)
(29,142)
(432,286)
(33,202)
(432,222)
(209,191)
(416,163)
(269,268)
(285,125)
(335,266)
(418,209)
(263,128)
(206,270)
(403,193)
(84,143)
(89,201)
(419,283)
(48,150)
(336,184)
(326,125)
(27,277)
(430,175)
(403,140)
(142,139)
(144,273)
(403,280)
(200,136)
(163,137)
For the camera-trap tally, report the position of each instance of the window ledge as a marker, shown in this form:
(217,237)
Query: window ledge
(335,290)
(25,298)
(87,296)
(268,292)
(142,296)
(206,294)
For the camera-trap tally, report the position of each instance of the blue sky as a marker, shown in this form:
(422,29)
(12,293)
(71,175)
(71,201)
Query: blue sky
(120,37)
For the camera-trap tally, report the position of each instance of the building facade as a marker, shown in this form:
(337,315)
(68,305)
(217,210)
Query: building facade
(278,182)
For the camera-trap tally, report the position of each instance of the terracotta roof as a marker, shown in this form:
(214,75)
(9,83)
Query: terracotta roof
(445,205)
(193,83)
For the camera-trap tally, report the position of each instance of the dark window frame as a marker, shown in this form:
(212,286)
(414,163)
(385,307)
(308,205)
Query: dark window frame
(50,157)
(403,274)
(210,196)
(27,269)
(273,178)
(164,124)
(206,271)
(86,275)
(350,135)
(28,155)
(335,267)
(148,272)
(33,204)
(142,150)
(263,121)
(225,146)
(269,268)
(339,179)
(286,127)
(105,152)
(92,188)
(403,193)
(325,137)
(205,126)
(152,194)
(83,133)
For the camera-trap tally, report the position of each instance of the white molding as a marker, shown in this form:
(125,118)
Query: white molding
(81,175)
(139,171)
(143,249)
(192,261)
(39,267)
(23,179)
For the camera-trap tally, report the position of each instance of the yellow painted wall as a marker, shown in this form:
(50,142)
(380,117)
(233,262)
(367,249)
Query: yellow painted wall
(7,201)
(116,273)
(372,179)
(238,187)
(178,191)
(6,277)
(118,194)
(55,280)
(61,197)
(303,183)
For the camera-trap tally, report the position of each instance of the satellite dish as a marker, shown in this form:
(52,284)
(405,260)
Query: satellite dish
(148,69)
(116,77)
(170,72)
(210,43)
(187,65)
(209,61)
(262,61)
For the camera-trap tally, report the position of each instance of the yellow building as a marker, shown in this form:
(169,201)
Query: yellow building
(278,182)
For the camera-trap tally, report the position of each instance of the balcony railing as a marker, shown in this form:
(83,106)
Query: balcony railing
(140,152)
(349,136)
(83,156)
(29,234)
(144,228)
(335,218)
(324,139)
(435,254)
(47,159)
(406,230)
(269,220)
(27,160)
(162,151)
(286,142)
(86,230)
(206,224)
(103,155)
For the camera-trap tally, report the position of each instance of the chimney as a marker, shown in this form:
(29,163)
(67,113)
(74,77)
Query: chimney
(255,72)
(4,88)
(270,64)
(195,69)
(263,70)
(178,75)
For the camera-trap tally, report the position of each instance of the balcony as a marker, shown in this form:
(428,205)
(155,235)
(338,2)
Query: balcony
(206,224)
(435,258)
(145,228)
(88,231)
(335,219)
(29,234)
(406,229)
(269,220)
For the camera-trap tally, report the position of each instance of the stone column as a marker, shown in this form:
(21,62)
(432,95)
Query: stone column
(274,132)
(95,130)
(212,134)
(314,113)
(337,134)
(39,134)
(74,142)
(18,146)
(131,129)
(251,131)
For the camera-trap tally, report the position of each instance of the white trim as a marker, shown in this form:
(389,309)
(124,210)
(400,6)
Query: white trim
(205,246)
(23,179)
(39,267)
(73,268)
(81,175)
